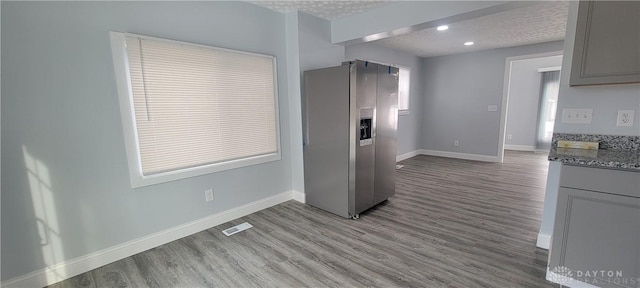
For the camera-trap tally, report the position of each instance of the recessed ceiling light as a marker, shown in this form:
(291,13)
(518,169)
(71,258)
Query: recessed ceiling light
(469,43)
(442,27)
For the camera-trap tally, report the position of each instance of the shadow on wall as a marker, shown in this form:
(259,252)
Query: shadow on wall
(45,213)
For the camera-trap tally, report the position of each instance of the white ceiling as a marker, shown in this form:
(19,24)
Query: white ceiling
(540,22)
(329,10)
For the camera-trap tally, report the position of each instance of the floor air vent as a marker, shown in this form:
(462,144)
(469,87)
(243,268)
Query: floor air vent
(237,228)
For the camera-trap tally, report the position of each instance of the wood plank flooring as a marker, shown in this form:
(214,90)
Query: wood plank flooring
(452,223)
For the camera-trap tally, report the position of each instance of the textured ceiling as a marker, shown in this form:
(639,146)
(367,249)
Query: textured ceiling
(541,22)
(329,10)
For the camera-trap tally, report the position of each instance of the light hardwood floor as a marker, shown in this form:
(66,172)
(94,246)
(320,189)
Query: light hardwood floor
(452,223)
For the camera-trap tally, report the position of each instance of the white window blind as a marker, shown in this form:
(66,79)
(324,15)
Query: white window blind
(404,78)
(404,86)
(196,106)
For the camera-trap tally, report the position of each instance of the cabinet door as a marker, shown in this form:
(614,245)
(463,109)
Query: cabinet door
(607,43)
(596,238)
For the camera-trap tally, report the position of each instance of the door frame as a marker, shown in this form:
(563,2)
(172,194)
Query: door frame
(505,95)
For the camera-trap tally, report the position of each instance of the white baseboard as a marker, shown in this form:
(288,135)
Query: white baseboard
(406,155)
(298,196)
(544,241)
(565,281)
(73,267)
(475,157)
(520,147)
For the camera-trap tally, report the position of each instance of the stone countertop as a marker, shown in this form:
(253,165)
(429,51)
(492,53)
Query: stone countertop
(623,159)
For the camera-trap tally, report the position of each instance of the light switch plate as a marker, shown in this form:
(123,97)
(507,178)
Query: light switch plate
(492,108)
(208,195)
(577,115)
(625,118)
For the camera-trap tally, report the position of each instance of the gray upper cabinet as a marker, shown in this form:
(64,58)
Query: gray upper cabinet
(607,43)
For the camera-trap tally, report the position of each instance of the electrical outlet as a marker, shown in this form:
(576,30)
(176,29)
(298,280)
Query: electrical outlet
(625,118)
(577,116)
(208,195)
(456,143)
(509,137)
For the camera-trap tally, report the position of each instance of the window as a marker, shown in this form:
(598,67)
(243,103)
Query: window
(404,78)
(190,109)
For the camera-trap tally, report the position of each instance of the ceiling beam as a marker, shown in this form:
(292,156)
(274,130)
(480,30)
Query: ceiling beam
(404,17)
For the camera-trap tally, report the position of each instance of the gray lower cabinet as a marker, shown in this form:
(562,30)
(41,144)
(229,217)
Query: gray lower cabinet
(596,236)
(607,43)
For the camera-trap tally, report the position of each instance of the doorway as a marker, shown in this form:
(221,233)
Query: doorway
(525,95)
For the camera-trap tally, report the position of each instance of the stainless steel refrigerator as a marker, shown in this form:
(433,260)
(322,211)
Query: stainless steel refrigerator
(350,123)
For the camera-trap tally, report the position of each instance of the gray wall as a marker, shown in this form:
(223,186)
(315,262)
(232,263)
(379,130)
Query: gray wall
(316,50)
(308,47)
(457,90)
(524,96)
(408,125)
(605,101)
(60,109)
(295,105)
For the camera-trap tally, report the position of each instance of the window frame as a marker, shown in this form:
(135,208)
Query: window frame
(127,113)
(403,111)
